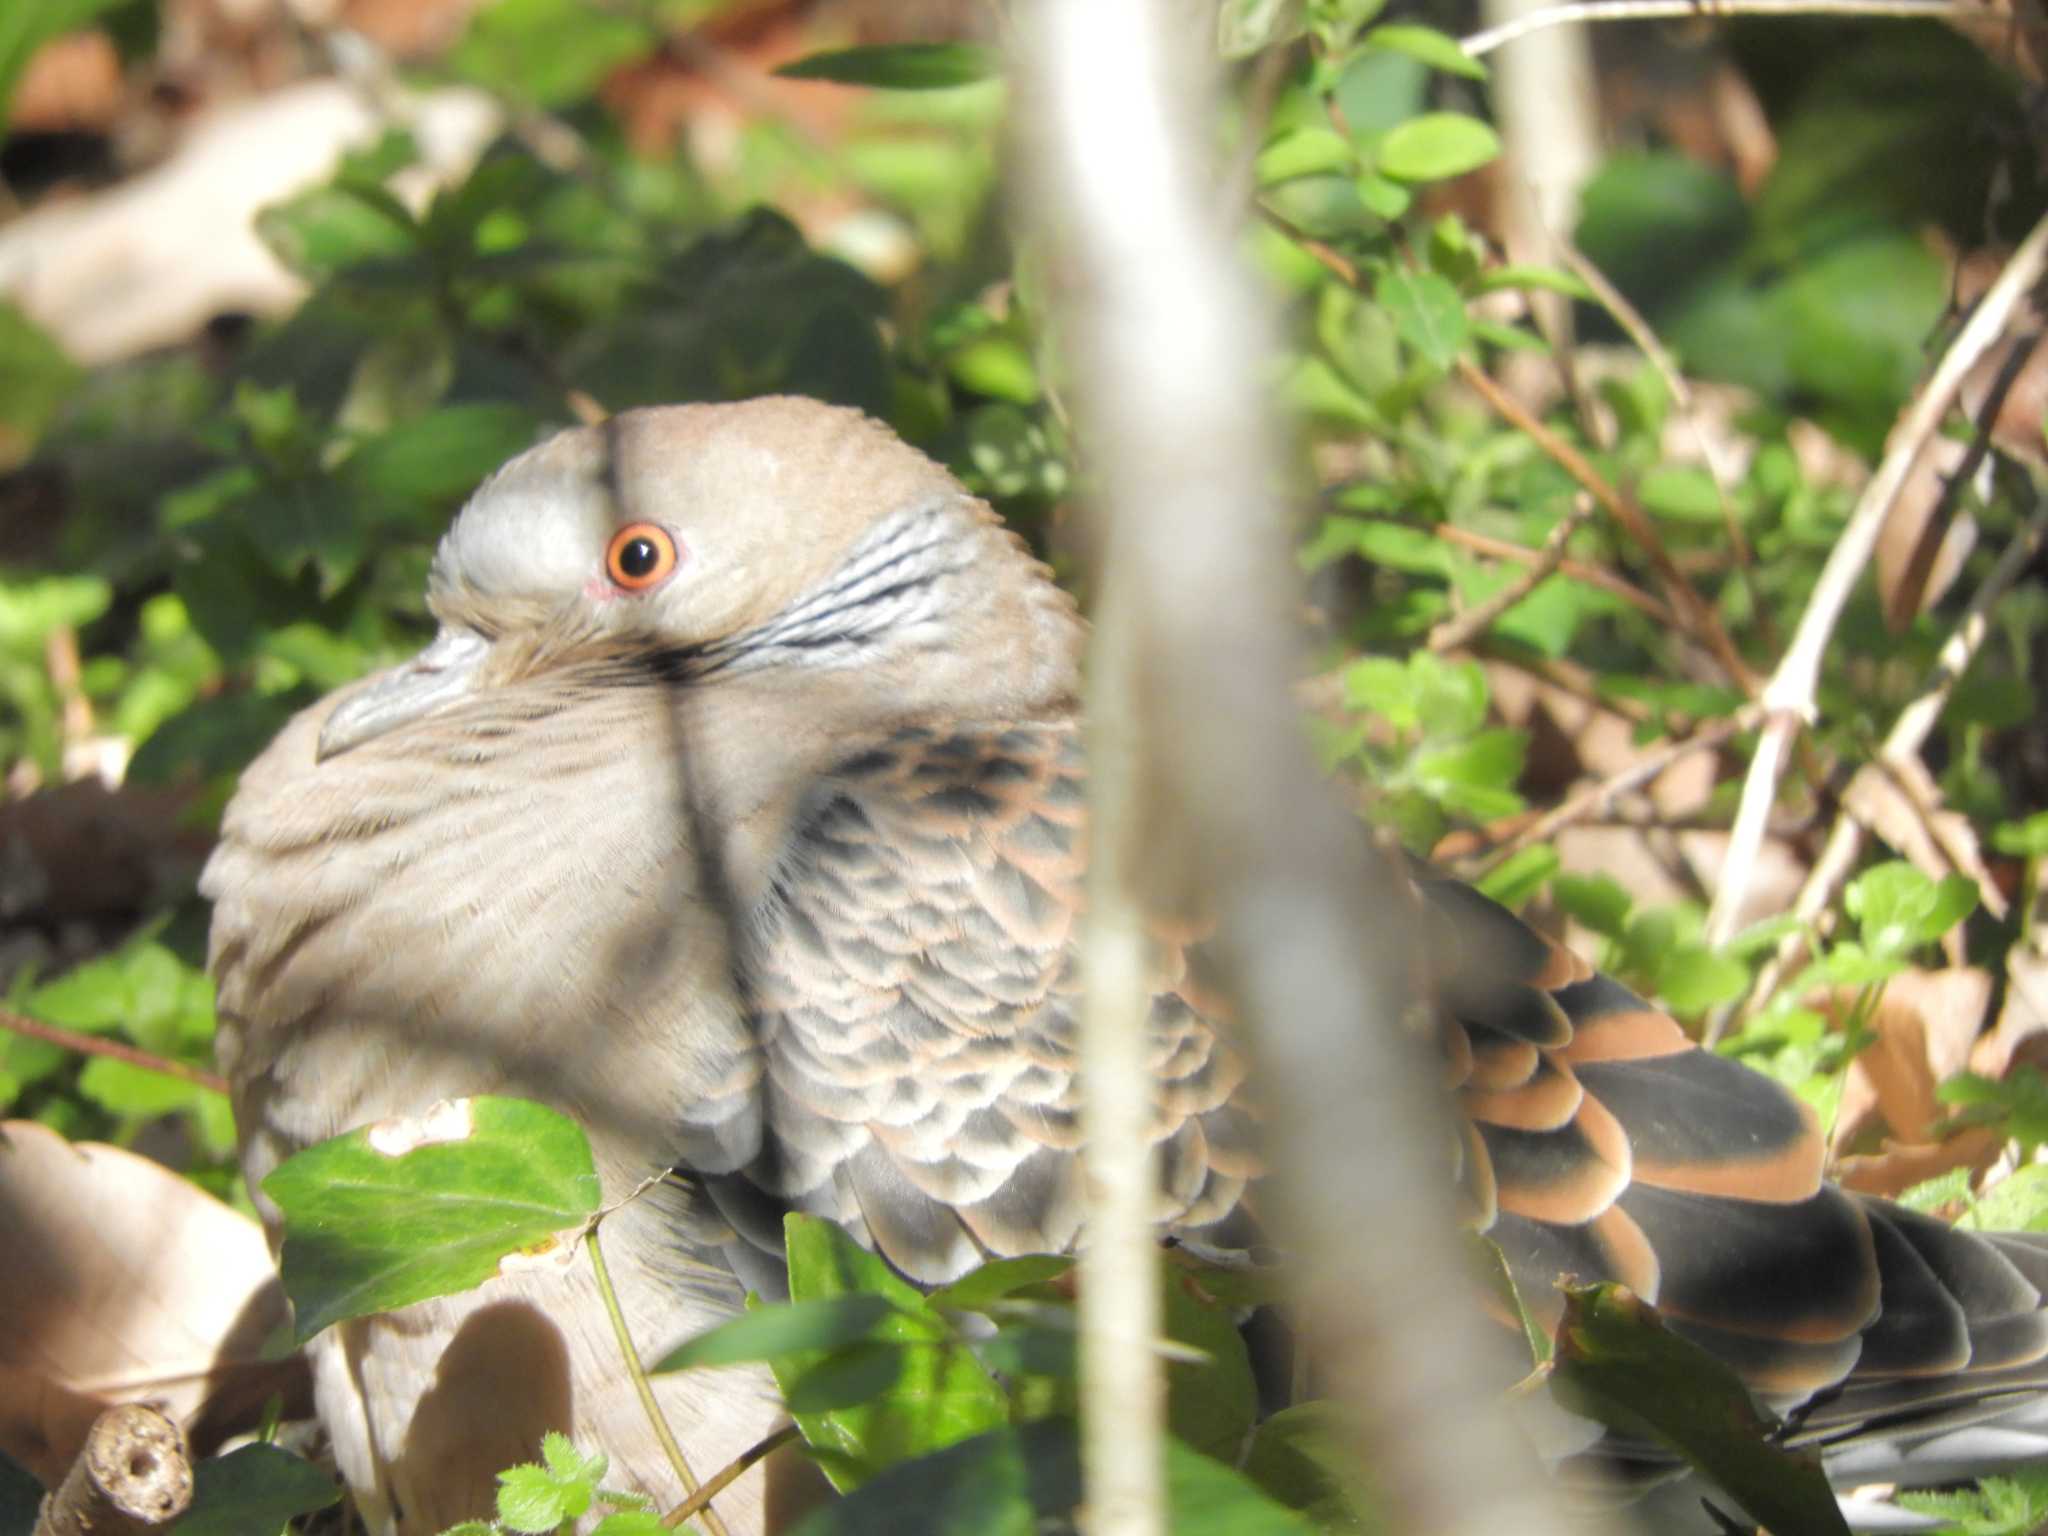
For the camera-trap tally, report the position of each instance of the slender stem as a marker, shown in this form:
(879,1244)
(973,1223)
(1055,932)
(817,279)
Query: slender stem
(637,1373)
(1908,733)
(1454,632)
(1794,685)
(1482,43)
(1638,773)
(726,1475)
(113,1050)
(1692,608)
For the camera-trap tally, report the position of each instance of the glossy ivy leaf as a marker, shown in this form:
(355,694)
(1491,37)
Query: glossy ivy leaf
(920,1387)
(899,66)
(776,1332)
(254,1488)
(1618,1363)
(391,1214)
(1435,147)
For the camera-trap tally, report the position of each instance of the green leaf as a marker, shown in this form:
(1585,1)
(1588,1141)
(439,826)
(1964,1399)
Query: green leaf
(330,230)
(1553,279)
(548,53)
(775,1332)
(1474,778)
(531,1499)
(1683,493)
(1617,1362)
(997,366)
(1301,1457)
(2016,1203)
(1436,146)
(386,1216)
(1018,1481)
(999,1278)
(938,1392)
(1308,149)
(36,377)
(2025,839)
(899,66)
(1898,909)
(1246,27)
(254,1488)
(436,460)
(1437,49)
(1428,313)
(1211,1404)
(1520,876)
(1693,979)
(1598,901)
(135,1092)
(1384,687)
(31,611)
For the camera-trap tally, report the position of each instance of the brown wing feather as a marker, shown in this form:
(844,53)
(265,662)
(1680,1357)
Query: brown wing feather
(914,988)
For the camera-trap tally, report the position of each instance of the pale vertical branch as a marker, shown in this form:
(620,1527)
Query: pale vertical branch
(1165,340)
(1790,695)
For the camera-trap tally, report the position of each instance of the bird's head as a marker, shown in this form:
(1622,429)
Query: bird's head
(776,539)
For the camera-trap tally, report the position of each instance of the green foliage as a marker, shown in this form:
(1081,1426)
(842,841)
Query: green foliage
(2000,1506)
(245,531)
(380,1218)
(554,1493)
(254,1488)
(1617,1362)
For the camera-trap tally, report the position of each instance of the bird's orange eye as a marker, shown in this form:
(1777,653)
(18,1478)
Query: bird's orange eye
(640,556)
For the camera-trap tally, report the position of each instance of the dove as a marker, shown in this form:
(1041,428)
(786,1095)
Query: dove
(738,809)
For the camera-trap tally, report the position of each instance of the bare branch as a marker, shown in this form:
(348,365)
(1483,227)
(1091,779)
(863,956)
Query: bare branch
(1791,693)
(1163,333)
(1480,44)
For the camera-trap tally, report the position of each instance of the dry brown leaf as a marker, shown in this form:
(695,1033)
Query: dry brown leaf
(2022,1028)
(1918,554)
(1900,1165)
(1925,1024)
(126,1283)
(1900,801)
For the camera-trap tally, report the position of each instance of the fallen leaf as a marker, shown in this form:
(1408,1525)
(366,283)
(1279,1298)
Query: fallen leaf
(126,1283)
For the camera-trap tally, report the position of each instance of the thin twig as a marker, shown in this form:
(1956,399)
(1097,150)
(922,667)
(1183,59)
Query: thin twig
(730,1473)
(1637,329)
(1908,733)
(113,1050)
(1793,686)
(1480,44)
(637,1374)
(1578,570)
(1455,632)
(1698,617)
(1588,802)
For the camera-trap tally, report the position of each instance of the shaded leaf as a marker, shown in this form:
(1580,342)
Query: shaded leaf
(1618,1363)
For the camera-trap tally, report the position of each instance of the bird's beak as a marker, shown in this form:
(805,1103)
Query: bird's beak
(444,672)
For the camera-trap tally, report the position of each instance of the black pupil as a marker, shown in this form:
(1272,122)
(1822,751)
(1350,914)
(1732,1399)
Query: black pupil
(638,557)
